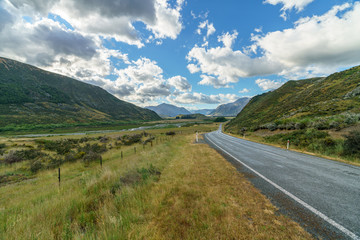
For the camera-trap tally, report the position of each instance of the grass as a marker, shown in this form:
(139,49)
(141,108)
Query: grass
(173,190)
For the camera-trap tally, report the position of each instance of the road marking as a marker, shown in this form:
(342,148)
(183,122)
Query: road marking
(298,200)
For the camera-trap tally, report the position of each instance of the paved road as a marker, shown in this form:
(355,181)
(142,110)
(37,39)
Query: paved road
(323,195)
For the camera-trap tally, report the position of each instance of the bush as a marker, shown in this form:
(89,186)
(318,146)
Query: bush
(300,125)
(220,119)
(92,157)
(95,148)
(13,157)
(35,166)
(130,139)
(352,144)
(171,133)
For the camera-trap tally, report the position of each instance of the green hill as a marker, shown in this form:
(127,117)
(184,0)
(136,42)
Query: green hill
(30,95)
(197,116)
(322,103)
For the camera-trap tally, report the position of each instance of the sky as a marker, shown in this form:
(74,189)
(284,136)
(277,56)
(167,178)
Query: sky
(190,53)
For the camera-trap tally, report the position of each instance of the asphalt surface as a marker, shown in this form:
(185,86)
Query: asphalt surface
(322,195)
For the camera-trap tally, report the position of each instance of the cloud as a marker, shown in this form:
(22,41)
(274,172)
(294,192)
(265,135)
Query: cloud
(221,66)
(318,44)
(228,39)
(180,83)
(315,46)
(267,84)
(143,81)
(200,98)
(209,27)
(244,90)
(110,18)
(213,81)
(299,5)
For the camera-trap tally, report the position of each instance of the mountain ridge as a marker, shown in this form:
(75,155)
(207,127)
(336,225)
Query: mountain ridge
(168,110)
(31,95)
(318,102)
(230,109)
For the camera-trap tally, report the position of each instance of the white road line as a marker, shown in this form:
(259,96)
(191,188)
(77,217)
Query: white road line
(312,209)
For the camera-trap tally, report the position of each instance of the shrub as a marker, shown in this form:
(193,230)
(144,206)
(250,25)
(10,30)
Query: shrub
(92,157)
(220,119)
(321,124)
(12,157)
(104,139)
(35,166)
(95,148)
(130,139)
(271,126)
(300,125)
(171,133)
(352,144)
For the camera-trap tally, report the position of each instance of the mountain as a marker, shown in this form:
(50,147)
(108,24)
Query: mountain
(202,111)
(318,102)
(168,110)
(230,109)
(30,95)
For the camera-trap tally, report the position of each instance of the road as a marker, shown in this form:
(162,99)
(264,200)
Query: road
(322,195)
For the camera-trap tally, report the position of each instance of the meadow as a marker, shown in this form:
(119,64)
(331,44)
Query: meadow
(168,188)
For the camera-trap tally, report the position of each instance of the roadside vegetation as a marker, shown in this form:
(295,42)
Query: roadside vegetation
(167,188)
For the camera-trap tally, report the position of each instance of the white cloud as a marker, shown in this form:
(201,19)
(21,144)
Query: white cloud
(180,83)
(315,46)
(209,27)
(213,81)
(267,84)
(110,18)
(228,39)
(318,44)
(221,66)
(244,90)
(168,20)
(200,98)
(289,4)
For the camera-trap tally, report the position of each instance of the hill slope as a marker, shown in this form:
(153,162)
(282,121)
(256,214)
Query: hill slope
(168,110)
(230,109)
(307,99)
(30,95)
(202,111)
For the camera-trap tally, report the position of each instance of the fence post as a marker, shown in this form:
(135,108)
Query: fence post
(151,143)
(59,176)
(122,155)
(288,144)
(100,161)
(135,150)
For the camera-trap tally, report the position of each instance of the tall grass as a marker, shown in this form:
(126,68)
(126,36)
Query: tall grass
(173,190)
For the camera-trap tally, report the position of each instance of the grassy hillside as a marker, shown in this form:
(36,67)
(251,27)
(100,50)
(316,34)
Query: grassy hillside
(321,103)
(30,95)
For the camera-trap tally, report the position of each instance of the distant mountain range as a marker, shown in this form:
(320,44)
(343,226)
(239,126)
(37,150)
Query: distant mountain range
(202,111)
(230,109)
(168,110)
(30,95)
(322,103)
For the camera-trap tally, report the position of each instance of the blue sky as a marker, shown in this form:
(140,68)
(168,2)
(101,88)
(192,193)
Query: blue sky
(196,54)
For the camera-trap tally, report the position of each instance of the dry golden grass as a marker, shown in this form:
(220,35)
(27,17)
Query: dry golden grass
(199,195)
(202,196)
